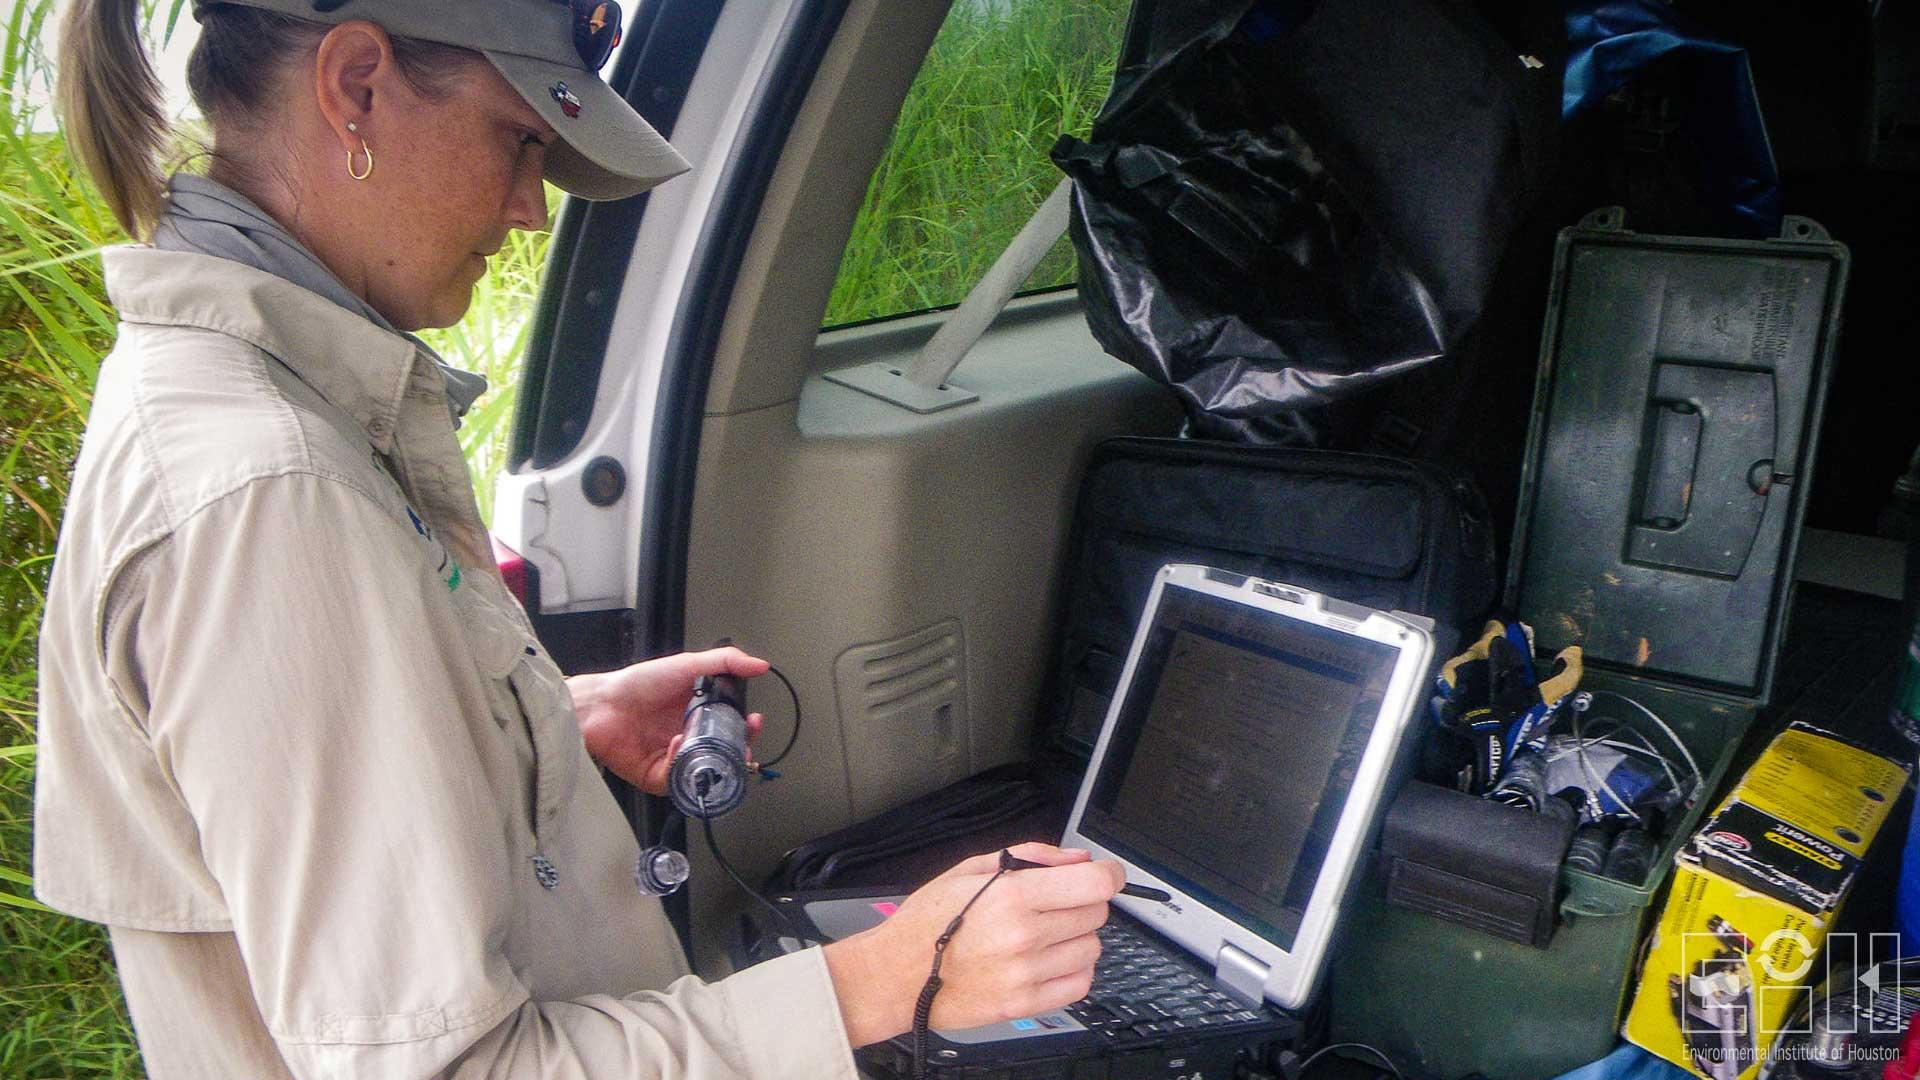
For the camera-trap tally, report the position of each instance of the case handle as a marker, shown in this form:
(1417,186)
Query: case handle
(1707,467)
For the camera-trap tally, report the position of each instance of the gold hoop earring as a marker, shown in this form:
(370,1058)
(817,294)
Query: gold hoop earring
(350,169)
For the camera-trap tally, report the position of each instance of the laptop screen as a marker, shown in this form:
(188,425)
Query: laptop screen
(1233,754)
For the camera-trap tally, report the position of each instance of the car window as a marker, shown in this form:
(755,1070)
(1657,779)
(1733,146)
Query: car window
(967,164)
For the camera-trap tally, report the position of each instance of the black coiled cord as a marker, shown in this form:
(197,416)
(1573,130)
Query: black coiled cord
(923,1008)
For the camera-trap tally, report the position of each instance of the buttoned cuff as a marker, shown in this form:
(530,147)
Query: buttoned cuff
(789,1018)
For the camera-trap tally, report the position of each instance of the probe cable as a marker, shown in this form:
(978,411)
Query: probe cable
(1593,776)
(1325,1050)
(1667,730)
(780,918)
(792,738)
(923,1008)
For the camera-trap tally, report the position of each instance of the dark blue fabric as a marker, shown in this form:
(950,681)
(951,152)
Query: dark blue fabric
(1611,42)
(1628,1062)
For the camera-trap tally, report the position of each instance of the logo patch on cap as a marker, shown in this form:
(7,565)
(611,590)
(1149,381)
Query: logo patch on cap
(568,103)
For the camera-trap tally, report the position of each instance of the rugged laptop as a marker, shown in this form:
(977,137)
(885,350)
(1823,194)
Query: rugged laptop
(1240,769)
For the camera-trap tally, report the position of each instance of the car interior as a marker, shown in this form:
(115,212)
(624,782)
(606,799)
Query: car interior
(686,471)
(899,567)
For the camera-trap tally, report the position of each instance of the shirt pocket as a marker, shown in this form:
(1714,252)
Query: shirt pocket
(528,696)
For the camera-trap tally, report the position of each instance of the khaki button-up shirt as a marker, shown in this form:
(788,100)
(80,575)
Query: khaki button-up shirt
(299,749)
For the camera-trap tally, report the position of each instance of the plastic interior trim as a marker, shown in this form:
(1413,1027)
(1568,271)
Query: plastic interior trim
(593,242)
(691,344)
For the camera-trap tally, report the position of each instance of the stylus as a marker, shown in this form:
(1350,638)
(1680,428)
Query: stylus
(1009,861)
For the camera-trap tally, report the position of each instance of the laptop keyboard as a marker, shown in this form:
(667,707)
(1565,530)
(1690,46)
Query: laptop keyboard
(1143,989)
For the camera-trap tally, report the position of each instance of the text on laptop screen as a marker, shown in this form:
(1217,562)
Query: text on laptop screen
(1233,755)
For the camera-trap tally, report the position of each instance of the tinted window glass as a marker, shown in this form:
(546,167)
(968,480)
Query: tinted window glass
(967,165)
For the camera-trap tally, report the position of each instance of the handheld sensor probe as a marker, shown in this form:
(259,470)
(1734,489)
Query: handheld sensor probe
(709,774)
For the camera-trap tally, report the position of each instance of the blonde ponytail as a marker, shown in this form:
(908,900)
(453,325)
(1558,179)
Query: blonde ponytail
(111,106)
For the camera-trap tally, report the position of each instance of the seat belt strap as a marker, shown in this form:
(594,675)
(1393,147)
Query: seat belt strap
(921,386)
(951,343)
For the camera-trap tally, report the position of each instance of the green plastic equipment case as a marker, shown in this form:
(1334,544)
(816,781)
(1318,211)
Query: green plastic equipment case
(1674,422)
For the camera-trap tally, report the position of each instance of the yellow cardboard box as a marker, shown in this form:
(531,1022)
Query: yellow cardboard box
(1754,895)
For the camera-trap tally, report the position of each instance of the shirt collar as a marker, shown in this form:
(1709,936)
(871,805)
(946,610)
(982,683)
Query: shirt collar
(360,368)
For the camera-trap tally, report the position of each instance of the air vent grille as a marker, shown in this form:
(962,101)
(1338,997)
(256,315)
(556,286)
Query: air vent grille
(903,714)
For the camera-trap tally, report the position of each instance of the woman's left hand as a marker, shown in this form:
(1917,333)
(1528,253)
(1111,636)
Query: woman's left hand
(633,719)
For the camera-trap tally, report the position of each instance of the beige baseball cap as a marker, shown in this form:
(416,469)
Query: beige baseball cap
(605,149)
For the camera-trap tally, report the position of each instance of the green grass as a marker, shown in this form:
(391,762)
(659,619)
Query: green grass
(490,340)
(966,170)
(60,1009)
(968,165)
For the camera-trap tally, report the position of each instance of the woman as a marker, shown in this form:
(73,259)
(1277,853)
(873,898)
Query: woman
(300,751)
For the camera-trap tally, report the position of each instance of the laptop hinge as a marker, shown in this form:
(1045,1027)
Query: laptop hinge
(1241,974)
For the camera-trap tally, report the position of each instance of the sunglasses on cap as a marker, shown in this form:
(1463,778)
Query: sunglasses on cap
(596,26)
(596,30)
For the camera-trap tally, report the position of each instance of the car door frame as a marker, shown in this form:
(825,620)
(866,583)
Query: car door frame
(572,336)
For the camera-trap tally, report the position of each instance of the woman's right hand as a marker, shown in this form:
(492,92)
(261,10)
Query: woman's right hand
(1026,946)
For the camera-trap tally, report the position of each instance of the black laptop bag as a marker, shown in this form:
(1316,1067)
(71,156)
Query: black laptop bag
(1380,531)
